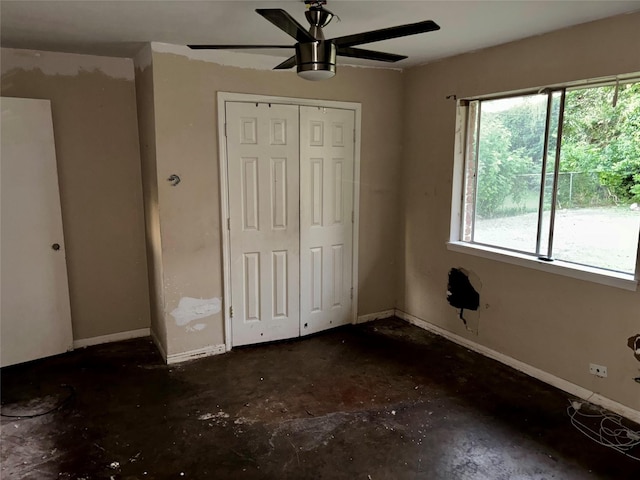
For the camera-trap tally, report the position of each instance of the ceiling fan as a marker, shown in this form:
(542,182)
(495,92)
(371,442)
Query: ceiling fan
(315,56)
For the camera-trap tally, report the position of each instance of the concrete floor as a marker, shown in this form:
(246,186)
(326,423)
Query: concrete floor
(384,400)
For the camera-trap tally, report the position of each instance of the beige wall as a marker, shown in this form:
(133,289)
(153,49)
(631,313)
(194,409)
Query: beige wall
(94,120)
(147,136)
(187,145)
(555,323)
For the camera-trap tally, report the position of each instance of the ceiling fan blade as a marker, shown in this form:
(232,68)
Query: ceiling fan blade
(286,23)
(288,63)
(235,47)
(369,54)
(386,33)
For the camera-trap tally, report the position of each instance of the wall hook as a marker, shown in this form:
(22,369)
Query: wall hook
(174,179)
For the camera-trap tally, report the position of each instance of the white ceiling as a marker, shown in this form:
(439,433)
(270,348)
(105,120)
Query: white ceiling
(119,28)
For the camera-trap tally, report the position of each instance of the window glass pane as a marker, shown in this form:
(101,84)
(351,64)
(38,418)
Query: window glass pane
(597,217)
(510,150)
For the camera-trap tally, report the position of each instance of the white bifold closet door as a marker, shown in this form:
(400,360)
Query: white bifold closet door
(326,217)
(263,163)
(290,183)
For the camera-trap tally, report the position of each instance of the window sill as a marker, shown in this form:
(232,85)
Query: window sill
(581,272)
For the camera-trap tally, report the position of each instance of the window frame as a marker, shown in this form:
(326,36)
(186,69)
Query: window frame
(457,243)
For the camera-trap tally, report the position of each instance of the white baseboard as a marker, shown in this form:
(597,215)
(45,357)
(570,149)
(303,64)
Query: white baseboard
(193,354)
(527,369)
(113,337)
(369,317)
(159,346)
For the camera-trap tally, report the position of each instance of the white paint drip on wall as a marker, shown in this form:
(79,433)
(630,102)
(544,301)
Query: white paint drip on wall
(71,64)
(190,309)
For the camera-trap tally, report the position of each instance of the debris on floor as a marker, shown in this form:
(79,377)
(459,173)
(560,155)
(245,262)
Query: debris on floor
(378,400)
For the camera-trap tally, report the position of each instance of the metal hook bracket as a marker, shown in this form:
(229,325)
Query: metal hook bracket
(174,179)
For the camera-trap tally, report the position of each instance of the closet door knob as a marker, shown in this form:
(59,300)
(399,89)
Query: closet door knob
(56,246)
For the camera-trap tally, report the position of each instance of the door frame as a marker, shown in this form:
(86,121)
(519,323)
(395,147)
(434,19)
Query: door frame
(223,98)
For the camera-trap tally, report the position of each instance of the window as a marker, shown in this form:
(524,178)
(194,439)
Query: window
(555,175)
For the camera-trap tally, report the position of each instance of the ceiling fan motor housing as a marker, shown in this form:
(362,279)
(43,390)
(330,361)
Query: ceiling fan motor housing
(318,16)
(316,60)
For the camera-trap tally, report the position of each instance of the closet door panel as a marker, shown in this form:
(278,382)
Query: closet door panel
(326,217)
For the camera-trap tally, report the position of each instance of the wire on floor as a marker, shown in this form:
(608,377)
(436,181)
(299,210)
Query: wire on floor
(606,429)
(65,401)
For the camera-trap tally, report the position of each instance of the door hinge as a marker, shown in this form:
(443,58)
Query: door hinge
(225,129)
(354,134)
(228,223)
(351,293)
(353,216)
(231,312)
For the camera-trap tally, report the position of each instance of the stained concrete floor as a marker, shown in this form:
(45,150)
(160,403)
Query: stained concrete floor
(384,400)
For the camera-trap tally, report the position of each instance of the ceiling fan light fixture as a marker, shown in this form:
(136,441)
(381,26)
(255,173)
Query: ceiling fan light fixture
(316,75)
(316,60)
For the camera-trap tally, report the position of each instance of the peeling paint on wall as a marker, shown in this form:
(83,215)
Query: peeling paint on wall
(221,57)
(190,309)
(69,64)
(143,58)
(251,61)
(197,327)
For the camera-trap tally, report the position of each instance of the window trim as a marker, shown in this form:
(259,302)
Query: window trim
(457,244)
(576,85)
(581,272)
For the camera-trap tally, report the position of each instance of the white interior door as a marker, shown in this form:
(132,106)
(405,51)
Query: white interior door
(263,170)
(35,315)
(326,217)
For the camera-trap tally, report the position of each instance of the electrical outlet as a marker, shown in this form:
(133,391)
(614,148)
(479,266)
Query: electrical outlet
(597,370)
